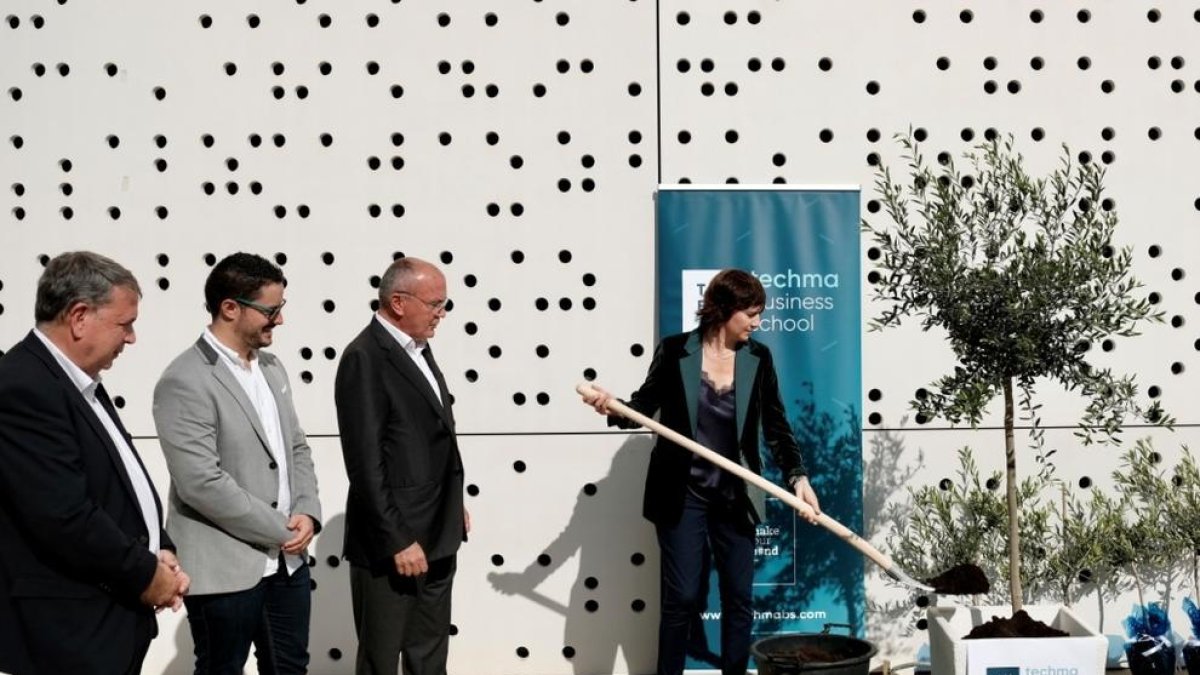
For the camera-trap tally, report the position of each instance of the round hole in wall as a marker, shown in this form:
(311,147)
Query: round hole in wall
(519,466)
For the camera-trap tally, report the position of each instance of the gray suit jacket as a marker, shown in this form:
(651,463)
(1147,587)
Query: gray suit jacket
(221,510)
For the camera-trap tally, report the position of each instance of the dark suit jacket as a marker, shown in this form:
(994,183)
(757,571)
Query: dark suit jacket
(73,556)
(672,389)
(401,454)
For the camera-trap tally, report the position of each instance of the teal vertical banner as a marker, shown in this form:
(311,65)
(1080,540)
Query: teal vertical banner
(803,244)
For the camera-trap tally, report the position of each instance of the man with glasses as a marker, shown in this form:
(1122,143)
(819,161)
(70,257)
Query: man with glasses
(243,503)
(404,512)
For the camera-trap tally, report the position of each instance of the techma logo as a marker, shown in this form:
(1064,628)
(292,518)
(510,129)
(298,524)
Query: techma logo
(693,284)
(1004,671)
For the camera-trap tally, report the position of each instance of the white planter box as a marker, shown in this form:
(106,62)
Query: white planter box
(1082,653)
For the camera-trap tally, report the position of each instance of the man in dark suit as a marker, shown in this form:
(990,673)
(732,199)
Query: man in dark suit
(404,512)
(84,561)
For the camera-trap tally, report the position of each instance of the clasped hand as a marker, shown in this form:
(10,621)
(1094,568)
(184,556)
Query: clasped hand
(169,585)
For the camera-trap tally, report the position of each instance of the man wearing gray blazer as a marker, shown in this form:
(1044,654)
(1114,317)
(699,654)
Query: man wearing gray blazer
(243,503)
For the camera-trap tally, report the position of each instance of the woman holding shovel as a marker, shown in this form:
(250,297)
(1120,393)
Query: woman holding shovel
(717,386)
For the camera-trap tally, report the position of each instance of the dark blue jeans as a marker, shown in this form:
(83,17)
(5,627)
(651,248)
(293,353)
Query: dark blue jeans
(716,525)
(273,616)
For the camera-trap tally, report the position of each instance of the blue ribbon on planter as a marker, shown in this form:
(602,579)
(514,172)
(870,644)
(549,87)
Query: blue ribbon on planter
(1151,621)
(1193,615)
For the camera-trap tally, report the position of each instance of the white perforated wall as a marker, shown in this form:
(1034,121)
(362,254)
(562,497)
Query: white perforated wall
(519,143)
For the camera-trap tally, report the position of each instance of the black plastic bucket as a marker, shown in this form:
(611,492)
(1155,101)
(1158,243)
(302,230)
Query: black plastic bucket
(791,654)
(1191,657)
(1150,657)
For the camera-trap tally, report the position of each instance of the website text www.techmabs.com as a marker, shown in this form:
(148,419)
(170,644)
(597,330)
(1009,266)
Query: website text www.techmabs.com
(787,615)
(1032,670)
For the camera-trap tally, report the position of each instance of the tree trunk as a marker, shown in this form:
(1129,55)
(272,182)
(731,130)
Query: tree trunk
(1014,517)
(1195,576)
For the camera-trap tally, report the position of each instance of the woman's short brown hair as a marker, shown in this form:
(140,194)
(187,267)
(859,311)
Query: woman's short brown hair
(731,290)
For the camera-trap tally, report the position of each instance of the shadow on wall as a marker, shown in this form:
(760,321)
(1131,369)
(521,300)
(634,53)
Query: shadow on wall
(890,622)
(332,643)
(616,549)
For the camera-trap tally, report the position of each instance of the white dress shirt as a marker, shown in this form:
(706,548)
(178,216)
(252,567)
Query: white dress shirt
(137,475)
(250,376)
(414,350)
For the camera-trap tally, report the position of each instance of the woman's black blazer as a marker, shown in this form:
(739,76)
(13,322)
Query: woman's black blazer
(672,390)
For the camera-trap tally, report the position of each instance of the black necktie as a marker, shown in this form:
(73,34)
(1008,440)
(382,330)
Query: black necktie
(441,381)
(107,404)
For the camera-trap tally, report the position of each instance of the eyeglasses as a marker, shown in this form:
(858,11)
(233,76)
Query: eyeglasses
(434,306)
(271,313)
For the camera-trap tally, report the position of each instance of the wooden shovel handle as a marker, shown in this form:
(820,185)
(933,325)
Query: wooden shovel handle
(843,532)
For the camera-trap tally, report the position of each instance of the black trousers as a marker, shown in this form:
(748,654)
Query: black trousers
(706,525)
(409,616)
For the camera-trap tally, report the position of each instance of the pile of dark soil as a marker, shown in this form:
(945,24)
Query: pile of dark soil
(808,654)
(961,580)
(1021,625)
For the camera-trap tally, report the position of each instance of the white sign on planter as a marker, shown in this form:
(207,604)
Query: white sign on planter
(1083,652)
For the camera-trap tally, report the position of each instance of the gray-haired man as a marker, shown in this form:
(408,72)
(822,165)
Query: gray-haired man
(85,559)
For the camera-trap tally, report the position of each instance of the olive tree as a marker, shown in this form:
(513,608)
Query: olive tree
(1023,276)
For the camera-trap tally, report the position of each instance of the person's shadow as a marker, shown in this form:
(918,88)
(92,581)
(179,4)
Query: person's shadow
(617,552)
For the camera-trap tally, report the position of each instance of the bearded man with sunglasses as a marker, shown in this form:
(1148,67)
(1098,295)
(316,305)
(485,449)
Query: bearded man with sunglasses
(243,503)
